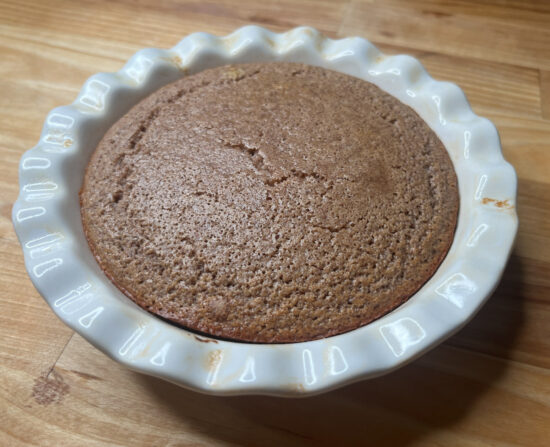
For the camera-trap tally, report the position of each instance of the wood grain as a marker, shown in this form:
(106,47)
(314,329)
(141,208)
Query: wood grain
(518,34)
(487,385)
(545,93)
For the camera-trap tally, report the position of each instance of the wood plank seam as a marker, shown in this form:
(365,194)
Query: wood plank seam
(59,356)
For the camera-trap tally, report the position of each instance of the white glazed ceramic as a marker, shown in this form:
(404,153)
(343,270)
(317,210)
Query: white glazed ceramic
(47,220)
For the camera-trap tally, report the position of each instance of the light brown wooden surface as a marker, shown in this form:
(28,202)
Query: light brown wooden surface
(488,385)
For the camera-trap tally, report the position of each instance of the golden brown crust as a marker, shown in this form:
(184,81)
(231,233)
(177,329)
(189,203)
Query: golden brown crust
(270,203)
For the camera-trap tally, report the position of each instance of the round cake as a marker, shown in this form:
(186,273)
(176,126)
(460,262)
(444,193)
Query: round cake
(271,203)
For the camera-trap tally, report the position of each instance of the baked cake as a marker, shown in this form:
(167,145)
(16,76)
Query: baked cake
(272,202)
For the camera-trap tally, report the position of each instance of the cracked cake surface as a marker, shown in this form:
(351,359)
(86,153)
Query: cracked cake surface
(272,202)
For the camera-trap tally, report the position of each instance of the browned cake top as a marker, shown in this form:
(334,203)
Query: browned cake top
(270,202)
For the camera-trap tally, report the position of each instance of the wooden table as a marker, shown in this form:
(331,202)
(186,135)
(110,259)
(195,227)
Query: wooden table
(488,385)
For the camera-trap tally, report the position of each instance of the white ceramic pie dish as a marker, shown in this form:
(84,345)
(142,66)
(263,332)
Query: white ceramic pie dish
(46,217)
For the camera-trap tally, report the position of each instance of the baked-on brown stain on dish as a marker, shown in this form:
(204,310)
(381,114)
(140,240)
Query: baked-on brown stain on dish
(213,359)
(205,340)
(270,202)
(296,387)
(504,204)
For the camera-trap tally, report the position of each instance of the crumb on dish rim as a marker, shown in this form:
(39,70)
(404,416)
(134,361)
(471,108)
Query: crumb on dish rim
(46,217)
